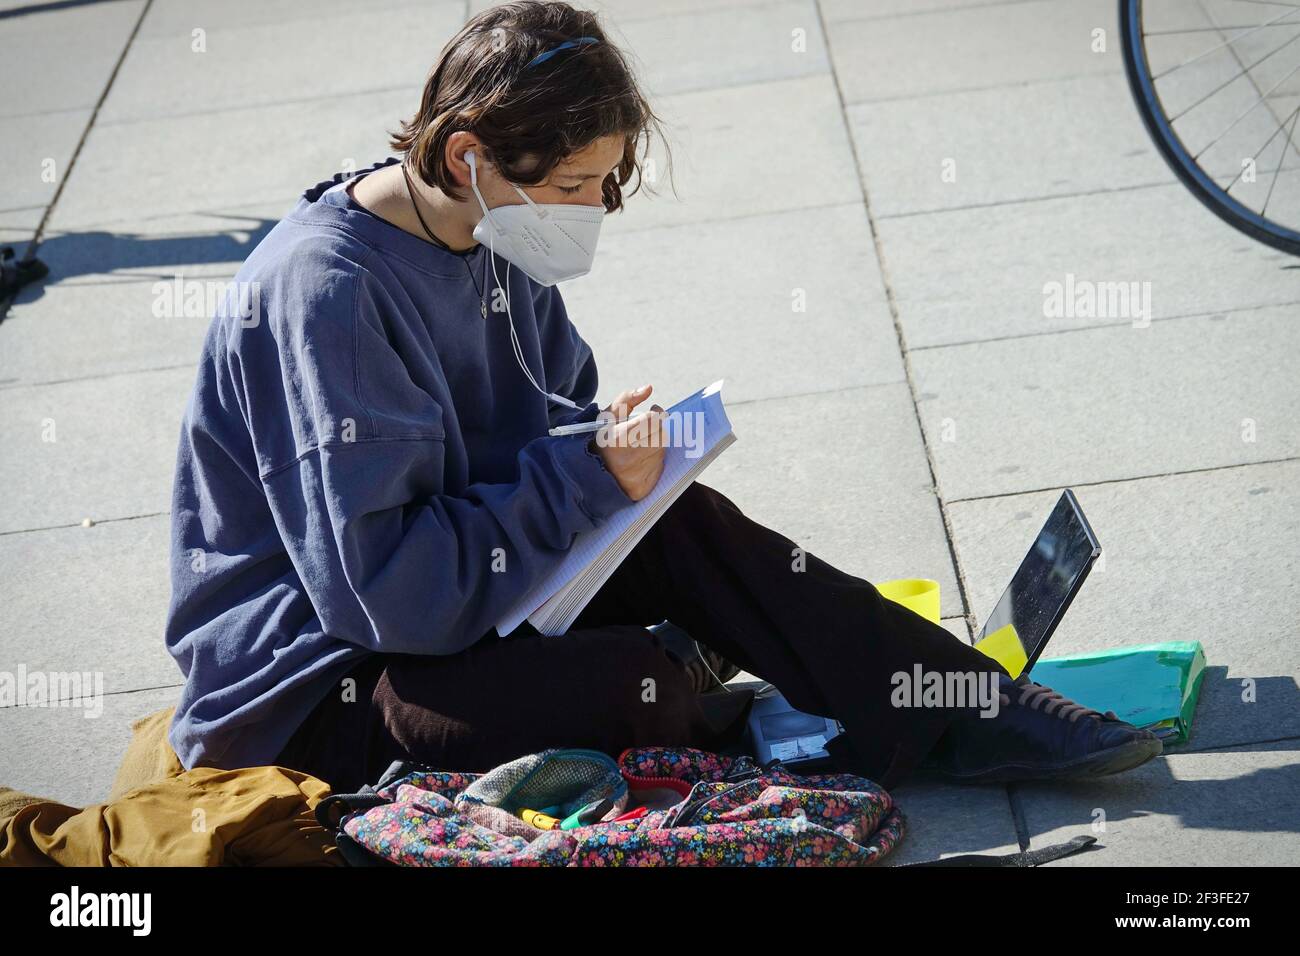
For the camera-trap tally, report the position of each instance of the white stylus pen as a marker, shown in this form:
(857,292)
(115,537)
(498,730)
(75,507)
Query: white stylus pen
(580,428)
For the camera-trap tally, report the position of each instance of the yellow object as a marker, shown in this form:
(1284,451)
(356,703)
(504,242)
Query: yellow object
(149,756)
(1004,646)
(916,594)
(160,814)
(922,596)
(258,816)
(540,820)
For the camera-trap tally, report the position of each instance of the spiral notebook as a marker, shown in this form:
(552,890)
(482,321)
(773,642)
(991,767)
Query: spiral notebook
(697,432)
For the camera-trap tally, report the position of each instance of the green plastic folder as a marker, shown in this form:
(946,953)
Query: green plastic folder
(1153,686)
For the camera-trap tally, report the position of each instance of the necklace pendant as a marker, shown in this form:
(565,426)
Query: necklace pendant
(482,309)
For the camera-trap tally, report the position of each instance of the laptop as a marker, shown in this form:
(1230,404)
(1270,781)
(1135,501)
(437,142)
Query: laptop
(1031,607)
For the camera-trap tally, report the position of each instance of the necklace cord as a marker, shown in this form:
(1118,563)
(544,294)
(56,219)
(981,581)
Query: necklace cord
(514,336)
(410,190)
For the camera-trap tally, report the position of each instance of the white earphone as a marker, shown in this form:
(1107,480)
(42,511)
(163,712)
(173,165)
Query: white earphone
(514,337)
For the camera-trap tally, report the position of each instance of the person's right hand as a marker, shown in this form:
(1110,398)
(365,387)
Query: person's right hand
(632,448)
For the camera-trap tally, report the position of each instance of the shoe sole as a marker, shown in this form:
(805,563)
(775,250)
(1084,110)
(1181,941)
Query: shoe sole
(1102,763)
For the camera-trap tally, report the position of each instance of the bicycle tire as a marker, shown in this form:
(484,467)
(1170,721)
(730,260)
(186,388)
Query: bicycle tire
(1176,154)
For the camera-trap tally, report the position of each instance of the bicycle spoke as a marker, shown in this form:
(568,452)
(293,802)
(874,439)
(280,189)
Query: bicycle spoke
(1245,26)
(1229,41)
(1181,106)
(1234,79)
(1295,114)
(1260,151)
(1262,97)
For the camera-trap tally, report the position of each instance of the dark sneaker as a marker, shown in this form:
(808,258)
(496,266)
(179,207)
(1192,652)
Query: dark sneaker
(1039,735)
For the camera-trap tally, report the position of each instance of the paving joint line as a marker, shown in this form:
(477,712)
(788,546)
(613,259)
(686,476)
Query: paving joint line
(892,302)
(908,14)
(1128,323)
(77,524)
(1027,200)
(18,386)
(65,701)
(1224,748)
(990,88)
(815,392)
(740,217)
(39,232)
(1120,481)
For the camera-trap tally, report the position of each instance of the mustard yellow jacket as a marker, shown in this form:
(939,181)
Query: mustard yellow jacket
(160,814)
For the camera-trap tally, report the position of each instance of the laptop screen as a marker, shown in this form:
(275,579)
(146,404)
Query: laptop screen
(1047,578)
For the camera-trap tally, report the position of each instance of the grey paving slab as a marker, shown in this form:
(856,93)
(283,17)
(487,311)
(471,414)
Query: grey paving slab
(1224,808)
(89,37)
(622,11)
(972,47)
(673,307)
(209,160)
(714,134)
(54,333)
(60,754)
(113,451)
(975,274)
(179,17)
(239,64)
(1103,404)
(1204,557)
(208,242)
(835,10)
(992,146)
(34,154)
(89,599)
(678,49)
(957,626)
(945,820)
(707,129)
(858,497)
(728,45)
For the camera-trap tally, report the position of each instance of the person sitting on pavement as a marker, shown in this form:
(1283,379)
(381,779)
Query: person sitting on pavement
(365,482)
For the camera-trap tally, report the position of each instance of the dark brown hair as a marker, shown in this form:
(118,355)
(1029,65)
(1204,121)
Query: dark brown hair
(530,116)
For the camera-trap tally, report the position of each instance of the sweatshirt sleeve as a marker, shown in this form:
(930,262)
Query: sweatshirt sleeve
(390,561)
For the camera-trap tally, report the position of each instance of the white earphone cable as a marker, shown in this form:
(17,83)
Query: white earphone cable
(514,336)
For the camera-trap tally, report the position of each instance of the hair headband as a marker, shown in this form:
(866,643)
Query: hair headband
(566,45)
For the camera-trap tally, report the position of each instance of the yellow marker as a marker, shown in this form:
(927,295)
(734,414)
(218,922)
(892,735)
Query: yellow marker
(535,818)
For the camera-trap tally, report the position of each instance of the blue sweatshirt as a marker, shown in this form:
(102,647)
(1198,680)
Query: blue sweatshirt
(363,468)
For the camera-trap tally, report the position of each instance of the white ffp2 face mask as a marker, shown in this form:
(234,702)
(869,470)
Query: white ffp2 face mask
(548,242)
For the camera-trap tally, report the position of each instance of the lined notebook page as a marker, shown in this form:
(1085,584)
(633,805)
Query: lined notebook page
(698,431)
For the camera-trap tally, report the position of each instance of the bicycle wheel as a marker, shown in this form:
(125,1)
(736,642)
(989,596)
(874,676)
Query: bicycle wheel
(1217,83)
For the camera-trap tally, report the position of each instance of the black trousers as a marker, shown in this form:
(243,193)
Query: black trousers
(825,638)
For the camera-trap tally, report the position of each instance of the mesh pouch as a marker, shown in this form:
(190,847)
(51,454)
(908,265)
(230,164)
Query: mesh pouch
(562,780)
